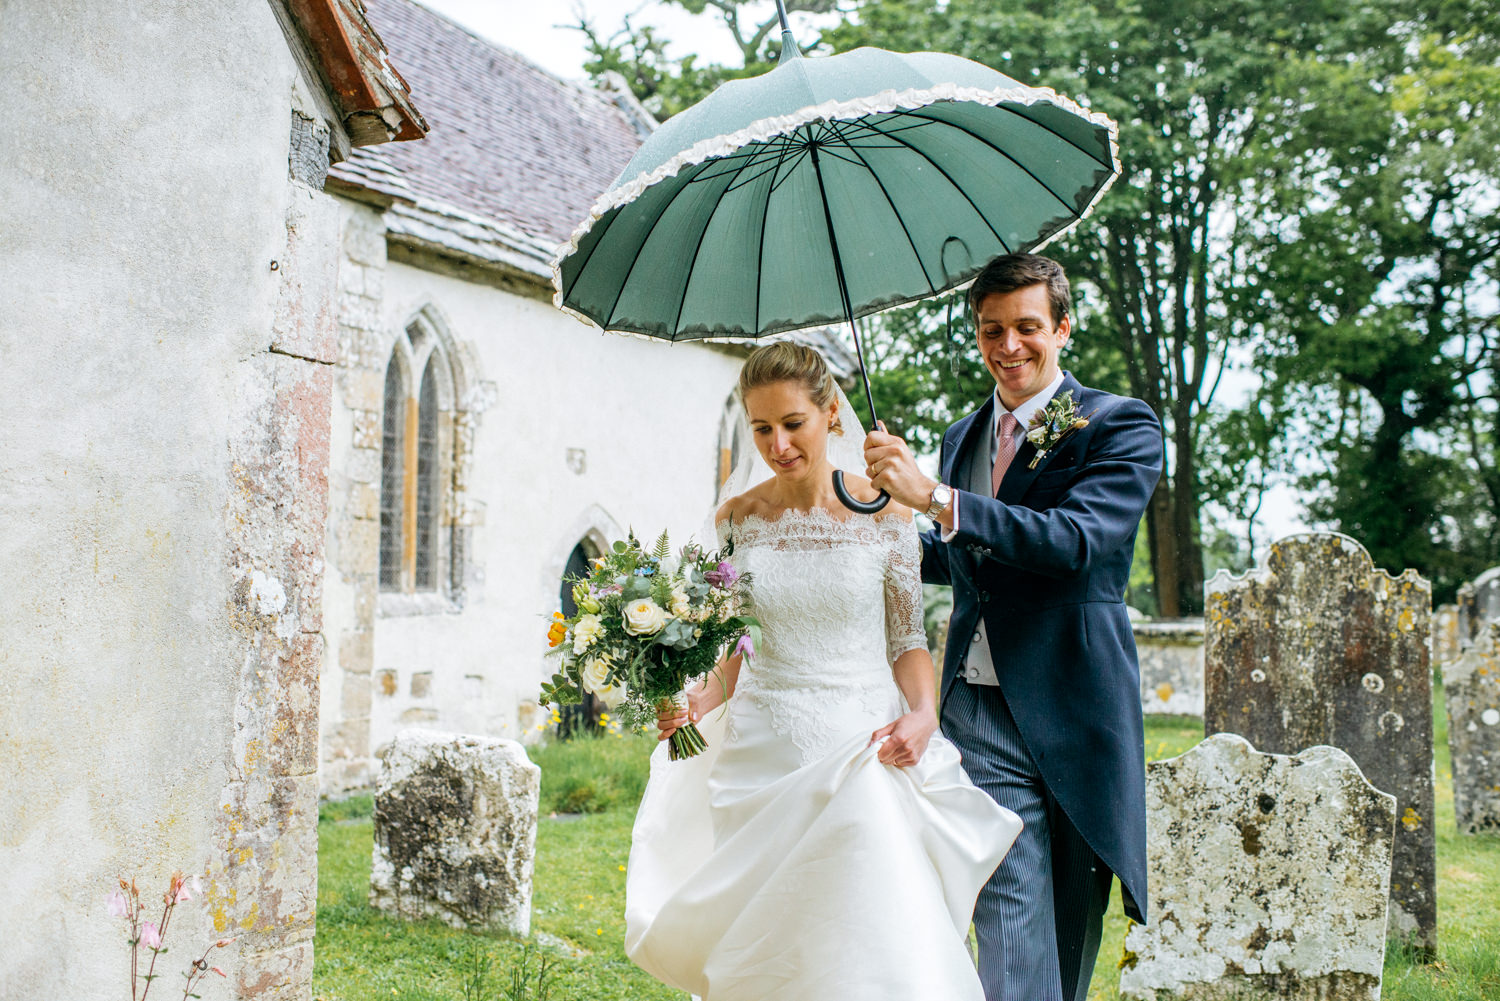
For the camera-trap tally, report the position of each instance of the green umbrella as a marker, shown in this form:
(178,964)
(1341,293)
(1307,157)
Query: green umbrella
(828,189)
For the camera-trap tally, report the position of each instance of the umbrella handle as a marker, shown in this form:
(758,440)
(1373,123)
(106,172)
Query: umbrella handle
(847,499)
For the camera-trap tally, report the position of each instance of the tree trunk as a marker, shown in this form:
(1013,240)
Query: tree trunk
(1164,560)
(1185,518)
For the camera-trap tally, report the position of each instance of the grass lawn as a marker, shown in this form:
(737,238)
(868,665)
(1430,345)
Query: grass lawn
(579,898)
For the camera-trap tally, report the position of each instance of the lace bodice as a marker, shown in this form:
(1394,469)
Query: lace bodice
(838,599)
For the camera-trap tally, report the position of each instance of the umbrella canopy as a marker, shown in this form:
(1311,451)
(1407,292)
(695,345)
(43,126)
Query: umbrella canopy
(878,176)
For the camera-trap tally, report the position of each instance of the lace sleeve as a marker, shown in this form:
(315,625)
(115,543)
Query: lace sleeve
(903,591)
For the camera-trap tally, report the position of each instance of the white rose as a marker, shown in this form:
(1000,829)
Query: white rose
(585,631)
(612,696)
(680,606)
(595,674)
(644,618)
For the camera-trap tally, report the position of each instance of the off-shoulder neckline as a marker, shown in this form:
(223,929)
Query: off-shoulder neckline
(812,514)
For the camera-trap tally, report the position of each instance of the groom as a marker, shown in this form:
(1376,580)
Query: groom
(1040,688)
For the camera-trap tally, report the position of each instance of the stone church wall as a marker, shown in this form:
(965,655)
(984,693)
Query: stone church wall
(167,344)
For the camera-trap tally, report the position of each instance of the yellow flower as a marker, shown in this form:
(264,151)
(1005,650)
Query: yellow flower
(556,630)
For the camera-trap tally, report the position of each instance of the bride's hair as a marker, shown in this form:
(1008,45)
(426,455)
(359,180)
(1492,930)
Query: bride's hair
(784,361)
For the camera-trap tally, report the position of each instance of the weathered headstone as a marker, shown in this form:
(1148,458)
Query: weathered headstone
(1445,644)
(1170,652)
(1478,603)
(1471,690)
(1319,647)
(455,831)
(1269,876)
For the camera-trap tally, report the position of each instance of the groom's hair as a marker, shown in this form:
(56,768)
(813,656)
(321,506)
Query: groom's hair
(1010,272)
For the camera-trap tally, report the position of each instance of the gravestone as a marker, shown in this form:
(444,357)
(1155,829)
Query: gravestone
(455,831)
(1319,647)
(1269,876)
(1478,603)
(1170,652)
(1471,691)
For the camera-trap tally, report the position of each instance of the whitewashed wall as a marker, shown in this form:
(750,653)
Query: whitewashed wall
(645,415)
(158,464)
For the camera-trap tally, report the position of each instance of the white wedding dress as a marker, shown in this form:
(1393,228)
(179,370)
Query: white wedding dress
(786,862)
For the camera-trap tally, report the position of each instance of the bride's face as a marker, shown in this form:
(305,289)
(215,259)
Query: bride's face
(790,431)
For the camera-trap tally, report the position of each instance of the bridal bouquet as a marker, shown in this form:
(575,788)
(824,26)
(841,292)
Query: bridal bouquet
(647,623)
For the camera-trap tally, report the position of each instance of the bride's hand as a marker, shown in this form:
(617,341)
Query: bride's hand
(704,697)
(906,738)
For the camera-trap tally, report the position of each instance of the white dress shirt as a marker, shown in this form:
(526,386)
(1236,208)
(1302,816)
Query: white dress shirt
(979,667)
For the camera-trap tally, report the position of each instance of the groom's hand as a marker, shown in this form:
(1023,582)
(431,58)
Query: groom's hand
(892,468)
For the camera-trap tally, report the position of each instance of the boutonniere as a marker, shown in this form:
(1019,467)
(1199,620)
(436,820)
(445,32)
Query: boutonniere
(1053,423)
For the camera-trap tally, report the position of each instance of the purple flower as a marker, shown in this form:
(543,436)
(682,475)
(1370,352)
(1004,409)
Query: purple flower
(724,575)
(745,646)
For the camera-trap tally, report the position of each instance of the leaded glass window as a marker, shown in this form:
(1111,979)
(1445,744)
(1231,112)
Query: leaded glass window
(391,478)
(428,485)
(419,550)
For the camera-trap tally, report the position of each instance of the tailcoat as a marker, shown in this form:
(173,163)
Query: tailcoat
(1045,563)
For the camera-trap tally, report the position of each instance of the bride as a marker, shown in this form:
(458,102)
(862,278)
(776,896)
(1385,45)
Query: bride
(828,843)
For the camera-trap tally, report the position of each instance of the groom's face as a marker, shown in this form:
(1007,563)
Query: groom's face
(1019,341)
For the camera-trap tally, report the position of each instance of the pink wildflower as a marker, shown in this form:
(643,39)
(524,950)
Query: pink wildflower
(150,935)
(117,905)
(182,890)
(745,646)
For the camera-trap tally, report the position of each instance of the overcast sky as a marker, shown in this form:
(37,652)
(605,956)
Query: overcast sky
(537,29)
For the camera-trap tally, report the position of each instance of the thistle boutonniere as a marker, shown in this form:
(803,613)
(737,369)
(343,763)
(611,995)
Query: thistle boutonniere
(1053,423)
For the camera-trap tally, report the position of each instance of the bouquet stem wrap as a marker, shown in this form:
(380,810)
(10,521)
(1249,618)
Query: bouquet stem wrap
(686,741)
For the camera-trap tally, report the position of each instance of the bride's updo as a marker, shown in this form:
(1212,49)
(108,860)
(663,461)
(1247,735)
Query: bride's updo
(784,361)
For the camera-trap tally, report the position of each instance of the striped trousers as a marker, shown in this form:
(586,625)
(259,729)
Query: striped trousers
(1038,918)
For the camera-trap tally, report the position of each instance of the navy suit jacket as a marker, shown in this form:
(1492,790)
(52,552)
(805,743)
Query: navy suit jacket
(1045,563)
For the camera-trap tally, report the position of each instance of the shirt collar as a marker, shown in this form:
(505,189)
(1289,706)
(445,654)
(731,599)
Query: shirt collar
(1024,411)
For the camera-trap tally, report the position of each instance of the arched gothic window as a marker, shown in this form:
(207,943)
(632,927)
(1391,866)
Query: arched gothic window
(584,718)
(416,465)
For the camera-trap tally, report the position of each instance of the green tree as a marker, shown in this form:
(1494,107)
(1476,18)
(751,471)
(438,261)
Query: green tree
(667,84)
(1184,79)
(1374,294)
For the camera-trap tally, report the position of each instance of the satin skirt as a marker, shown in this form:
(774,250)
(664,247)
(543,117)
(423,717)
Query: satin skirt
(755,876)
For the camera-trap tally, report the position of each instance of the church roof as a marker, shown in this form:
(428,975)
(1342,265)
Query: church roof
(515,155)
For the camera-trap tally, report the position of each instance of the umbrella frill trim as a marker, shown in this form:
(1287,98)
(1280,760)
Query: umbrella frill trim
(769,128)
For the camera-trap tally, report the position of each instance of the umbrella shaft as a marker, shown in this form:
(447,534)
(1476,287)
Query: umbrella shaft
(838,270)
(781,13)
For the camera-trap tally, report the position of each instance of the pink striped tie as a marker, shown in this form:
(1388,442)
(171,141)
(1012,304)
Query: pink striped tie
(1007,452)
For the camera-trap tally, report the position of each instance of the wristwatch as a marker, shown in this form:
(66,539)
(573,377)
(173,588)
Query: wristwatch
(942,496)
